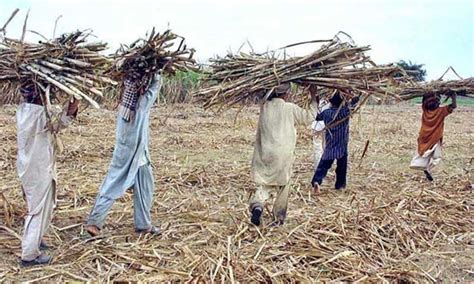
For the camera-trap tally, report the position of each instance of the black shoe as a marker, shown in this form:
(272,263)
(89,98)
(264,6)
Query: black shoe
(256,216)
(428,175)
(44,246)
(40,260)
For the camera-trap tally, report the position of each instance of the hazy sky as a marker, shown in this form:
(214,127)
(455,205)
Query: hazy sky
(435,33)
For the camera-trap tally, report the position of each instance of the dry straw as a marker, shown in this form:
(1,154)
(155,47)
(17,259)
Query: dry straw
(69,64)
(245,78)
(164,52)
(389,225)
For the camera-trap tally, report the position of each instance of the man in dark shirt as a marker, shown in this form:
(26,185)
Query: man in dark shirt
(336,119)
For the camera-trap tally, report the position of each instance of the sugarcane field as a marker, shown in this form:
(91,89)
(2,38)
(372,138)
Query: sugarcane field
(236,141)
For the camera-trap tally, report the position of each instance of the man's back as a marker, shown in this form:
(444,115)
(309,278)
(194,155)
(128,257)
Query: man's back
(276,140)
(276,123)
(432,127)
(337,135)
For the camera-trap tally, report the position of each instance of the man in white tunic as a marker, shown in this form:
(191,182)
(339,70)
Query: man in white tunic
(37,170)
(274,151)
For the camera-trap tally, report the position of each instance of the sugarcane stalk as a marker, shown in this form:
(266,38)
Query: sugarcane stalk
(58,145)
(80,85)
(52,81)
(2,29)
(67,88)
(78,63)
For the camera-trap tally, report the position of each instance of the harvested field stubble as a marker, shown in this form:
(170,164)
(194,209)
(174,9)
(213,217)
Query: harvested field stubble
(390,224)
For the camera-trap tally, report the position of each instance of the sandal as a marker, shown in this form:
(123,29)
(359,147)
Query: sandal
(40,260)
(152,231)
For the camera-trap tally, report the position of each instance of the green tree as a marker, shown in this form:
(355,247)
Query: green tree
(416,71)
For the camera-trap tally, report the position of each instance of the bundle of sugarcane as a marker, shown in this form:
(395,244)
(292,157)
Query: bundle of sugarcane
(68,63)
(144,57)
(244,78)
(463,87)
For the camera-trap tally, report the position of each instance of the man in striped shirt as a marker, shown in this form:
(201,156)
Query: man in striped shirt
(337,139)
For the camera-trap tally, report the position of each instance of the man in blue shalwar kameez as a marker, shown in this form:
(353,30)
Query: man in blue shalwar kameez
(130,166)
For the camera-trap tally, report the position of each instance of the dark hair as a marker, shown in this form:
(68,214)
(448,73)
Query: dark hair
(431,101)
(336,99)
(29,91)
(427,96)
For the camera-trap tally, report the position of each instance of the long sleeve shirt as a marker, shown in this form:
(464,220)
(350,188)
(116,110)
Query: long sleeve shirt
(36,164)
(432,127)
(275,143)
(337,137)
(319,125)
(131,146)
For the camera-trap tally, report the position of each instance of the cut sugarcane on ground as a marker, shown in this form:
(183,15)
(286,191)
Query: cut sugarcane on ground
(245,78)
(390,224)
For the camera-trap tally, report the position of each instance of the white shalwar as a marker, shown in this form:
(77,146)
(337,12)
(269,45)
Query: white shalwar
(428,160)
(37,172)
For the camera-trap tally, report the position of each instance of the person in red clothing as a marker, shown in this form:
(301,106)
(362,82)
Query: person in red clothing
(431,133)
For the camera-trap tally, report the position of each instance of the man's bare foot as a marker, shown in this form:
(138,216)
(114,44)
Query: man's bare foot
(316,188)
(93,230)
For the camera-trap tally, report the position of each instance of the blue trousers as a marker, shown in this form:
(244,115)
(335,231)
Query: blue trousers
(325,165)
(142,201)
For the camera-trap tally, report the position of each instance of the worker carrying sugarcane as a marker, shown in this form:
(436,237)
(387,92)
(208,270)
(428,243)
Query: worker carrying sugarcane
(336,120)
(274,151)
(131,163)
(430,138)
(36,165)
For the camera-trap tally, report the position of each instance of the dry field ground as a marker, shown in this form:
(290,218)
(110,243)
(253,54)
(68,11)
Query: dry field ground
(389,224)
